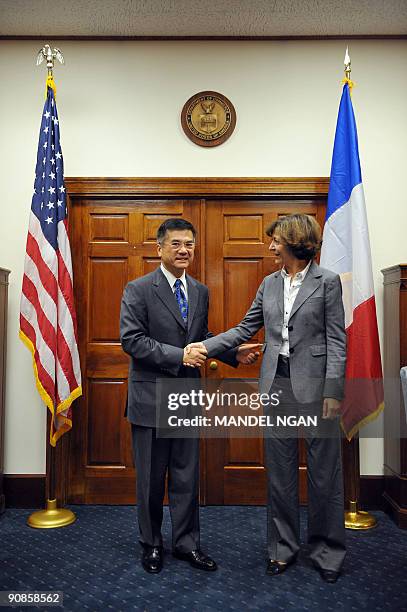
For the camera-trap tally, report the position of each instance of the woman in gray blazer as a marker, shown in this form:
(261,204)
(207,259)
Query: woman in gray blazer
(301,309)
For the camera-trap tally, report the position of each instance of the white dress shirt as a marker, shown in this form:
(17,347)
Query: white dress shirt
(171,279)
(292,286)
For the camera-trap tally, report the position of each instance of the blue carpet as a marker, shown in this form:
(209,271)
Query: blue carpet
(95,562)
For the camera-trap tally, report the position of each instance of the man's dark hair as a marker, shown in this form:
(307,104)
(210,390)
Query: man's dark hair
(174,224)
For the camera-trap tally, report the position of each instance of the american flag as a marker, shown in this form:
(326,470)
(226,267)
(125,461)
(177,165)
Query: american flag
(47,310)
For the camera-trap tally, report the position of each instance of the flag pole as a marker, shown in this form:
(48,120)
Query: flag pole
(52,517)
(354,518)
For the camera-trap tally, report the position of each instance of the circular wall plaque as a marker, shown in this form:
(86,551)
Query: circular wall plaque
(208,118)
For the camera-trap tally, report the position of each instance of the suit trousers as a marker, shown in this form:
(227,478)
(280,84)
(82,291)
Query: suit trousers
(326,528)
(155,458)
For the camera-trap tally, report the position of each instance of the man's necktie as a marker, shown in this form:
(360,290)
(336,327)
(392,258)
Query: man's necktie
(181,299)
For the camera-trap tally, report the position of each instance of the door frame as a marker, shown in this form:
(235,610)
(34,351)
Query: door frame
(102,188)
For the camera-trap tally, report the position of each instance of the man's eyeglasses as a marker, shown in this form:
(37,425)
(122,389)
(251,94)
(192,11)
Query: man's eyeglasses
(176,245)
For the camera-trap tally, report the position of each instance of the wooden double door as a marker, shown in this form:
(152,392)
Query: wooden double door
(113,226)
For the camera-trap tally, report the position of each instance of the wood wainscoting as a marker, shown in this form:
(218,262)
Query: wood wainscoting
(112,225)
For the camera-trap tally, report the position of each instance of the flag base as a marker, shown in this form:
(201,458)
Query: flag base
(358,519)
(52,517)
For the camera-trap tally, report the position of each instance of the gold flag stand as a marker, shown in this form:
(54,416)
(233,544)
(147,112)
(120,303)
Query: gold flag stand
(358,519)
(51,517)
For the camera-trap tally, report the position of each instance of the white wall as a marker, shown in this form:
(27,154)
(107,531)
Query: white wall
(119,106)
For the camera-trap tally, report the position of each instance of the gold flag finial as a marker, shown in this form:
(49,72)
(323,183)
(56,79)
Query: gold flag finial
(48,54)
(347,64)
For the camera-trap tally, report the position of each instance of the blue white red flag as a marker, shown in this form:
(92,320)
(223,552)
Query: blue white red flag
(47,311)
(346,251)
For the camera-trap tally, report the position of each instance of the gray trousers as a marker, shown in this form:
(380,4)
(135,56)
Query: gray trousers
(326,528)
(155,458)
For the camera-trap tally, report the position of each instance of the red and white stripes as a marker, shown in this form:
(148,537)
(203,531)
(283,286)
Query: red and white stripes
(48,322)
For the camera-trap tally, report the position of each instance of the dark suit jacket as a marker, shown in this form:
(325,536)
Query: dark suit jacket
(154,334)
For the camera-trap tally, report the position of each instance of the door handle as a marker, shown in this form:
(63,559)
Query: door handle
(213,365)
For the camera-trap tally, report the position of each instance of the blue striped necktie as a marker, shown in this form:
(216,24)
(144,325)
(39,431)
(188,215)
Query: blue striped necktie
(181,300)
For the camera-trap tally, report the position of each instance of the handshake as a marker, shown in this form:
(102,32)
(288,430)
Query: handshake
(195,354)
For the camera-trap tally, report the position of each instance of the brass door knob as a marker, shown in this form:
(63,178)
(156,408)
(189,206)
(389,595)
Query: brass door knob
(213,365)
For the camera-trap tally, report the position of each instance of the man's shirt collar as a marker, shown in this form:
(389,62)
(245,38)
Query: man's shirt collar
(171,278)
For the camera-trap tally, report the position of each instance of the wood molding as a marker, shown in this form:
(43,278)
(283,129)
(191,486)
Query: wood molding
(24,490)
(210,38)
(264,187)
(394,358)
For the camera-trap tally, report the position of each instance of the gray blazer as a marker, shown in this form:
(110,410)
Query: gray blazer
(316,333)
(154,334)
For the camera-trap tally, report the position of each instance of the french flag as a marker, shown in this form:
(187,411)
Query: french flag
(346,251)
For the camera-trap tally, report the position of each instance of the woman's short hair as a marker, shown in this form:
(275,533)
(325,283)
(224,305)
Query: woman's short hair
(300,233)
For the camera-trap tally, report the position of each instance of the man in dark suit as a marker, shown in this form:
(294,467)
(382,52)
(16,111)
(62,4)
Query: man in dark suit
(161,313)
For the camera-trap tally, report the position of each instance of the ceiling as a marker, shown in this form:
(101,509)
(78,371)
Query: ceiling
(202,18)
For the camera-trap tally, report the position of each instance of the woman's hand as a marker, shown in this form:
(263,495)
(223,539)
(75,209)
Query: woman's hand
(330,408)
(248,353)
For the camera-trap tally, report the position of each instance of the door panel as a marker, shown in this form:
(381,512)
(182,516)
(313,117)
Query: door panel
(107,279)
(237,260)
(104,422)
(113,242)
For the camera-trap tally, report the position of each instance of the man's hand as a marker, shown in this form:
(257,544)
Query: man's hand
(195,355)
(330,408)
(248,353)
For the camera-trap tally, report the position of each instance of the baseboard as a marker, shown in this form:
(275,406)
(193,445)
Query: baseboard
(28,491)
(24,490)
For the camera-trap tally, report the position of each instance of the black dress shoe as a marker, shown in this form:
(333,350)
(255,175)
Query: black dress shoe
(152,559)
(275,567)
(197,559)
(329,575)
